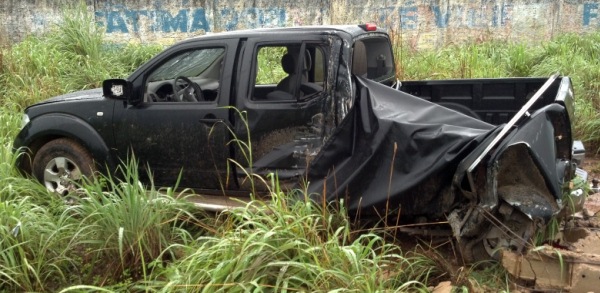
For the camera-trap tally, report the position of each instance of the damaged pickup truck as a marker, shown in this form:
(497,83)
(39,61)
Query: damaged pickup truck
(488,156)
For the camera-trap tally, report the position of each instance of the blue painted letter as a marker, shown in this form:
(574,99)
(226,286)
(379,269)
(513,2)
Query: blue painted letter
(409,17)
(173,23)
(133,17)
(441,20)
(199,21)
(590,11)
(115,23)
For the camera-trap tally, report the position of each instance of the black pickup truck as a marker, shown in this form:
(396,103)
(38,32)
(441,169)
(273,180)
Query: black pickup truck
(321,108)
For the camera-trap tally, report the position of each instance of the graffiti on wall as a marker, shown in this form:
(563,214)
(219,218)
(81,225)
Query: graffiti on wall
(129,21)
(118,19)
(591,15)
(408,17)
(472,17)
(121,20)
(152,19)
(404,17)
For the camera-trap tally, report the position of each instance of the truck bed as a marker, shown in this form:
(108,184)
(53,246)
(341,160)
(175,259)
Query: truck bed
(493,100)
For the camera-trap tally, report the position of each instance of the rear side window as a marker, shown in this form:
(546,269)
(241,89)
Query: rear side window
(289,72)
(372,58)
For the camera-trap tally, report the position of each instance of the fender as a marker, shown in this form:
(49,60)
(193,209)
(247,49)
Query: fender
(530,168)
(47,127)
(527,171)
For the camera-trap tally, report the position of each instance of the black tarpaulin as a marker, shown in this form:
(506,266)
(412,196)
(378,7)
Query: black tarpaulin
(394,146)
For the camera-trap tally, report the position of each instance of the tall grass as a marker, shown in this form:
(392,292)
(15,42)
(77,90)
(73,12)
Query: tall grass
(12,184)
(131,230)
(34,234)
(134,226)
(34,246)
(293,246)
(269,68)
(72,56)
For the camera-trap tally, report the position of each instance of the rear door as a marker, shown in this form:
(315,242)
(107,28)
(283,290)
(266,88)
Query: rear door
(180,129)
(285,97)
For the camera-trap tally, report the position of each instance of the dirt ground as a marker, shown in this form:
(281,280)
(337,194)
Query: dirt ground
(573,263)
(580,243)
(591,164)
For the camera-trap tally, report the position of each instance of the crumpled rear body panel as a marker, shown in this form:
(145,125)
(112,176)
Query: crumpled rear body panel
(531,167)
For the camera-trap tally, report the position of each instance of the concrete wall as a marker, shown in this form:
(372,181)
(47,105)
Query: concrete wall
(422,23)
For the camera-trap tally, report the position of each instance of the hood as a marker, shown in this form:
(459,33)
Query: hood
(93,94)
(395,150)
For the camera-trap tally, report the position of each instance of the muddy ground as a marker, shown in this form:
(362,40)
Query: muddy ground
(572,263)
(580,244)
(592,165)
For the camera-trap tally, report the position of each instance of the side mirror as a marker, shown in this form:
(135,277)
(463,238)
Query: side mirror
(118,89)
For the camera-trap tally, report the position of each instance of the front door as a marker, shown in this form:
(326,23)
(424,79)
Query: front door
(179,132)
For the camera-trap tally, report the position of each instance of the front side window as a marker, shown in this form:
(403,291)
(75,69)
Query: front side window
(189,76)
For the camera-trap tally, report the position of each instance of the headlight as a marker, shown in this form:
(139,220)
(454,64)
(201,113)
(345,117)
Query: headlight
(24,120)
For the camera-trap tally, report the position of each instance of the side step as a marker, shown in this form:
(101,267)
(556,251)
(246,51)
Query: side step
(217,203)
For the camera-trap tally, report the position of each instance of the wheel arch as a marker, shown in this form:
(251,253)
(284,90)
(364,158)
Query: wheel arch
(519,180)
(44,129)
(531,168)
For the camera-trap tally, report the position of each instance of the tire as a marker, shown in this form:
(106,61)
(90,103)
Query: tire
(494,238)
(473,250)
(60,164)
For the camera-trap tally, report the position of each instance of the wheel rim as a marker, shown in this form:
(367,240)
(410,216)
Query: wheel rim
(521,229)
(494,241)
(59,175)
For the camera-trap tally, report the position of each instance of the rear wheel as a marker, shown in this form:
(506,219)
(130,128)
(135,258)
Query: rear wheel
(510,230)
(60,163)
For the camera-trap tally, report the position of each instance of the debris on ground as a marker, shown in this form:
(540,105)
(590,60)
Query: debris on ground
(443,287)
(572,264)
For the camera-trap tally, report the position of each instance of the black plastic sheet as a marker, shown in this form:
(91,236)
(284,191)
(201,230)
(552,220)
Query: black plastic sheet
(395,151)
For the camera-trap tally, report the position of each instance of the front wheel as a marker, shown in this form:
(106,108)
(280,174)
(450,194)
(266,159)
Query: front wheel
(60,163)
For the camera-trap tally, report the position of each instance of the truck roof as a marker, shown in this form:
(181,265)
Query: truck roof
(352,30)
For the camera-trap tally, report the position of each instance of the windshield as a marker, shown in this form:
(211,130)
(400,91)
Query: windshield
(189,63)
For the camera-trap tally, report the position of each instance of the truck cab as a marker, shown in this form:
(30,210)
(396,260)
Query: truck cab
(293,85)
